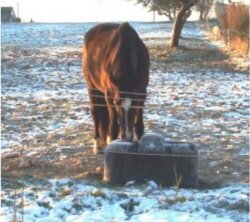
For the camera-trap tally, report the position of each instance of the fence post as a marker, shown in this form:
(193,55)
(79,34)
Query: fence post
(247,44)
(228,37)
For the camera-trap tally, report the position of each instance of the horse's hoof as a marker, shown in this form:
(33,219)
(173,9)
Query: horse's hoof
(97,151)
(108,140)
(96,147)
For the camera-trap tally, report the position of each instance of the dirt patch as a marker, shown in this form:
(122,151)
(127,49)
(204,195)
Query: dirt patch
(199,53)
(54,156)
(77,164)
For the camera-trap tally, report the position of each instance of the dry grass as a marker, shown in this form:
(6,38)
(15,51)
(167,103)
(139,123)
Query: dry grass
(234,24)
(240,44)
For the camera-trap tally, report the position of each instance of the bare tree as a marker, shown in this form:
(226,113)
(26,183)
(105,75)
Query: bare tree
(182,10)
(168,9)
(204,6)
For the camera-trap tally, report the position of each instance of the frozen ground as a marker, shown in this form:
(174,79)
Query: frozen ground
(73,201)
(194,95)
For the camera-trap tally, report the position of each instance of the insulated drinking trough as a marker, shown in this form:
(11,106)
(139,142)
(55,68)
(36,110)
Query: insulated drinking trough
(153,158)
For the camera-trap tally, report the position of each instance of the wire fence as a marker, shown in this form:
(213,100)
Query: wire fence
(29,142)
(230,34)
(232,37)
(135,96)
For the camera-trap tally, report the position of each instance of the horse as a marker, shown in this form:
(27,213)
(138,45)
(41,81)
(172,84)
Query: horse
(116,71)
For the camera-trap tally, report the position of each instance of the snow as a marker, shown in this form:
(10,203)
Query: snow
(42,86)
(41,82)
(86,202)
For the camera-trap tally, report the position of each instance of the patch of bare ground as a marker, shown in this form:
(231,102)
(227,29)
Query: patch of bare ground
(69,153)
(66,155)
(198,53)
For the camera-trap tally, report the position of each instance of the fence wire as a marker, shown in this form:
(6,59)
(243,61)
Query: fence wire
(228,35)
(160,92)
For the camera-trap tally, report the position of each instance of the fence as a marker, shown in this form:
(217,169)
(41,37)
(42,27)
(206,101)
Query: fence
(234,25)
(236,40)
(232,38)
(27,138)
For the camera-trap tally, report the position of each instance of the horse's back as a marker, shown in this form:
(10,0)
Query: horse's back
(117,49)
(100,31)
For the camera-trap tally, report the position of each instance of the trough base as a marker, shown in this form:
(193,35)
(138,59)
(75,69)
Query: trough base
(165,162)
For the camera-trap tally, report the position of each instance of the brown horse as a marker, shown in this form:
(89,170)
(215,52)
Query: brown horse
(116,69)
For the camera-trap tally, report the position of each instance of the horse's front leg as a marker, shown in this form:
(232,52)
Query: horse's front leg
(95,112)
(113,130)
(139,125)
(101,119)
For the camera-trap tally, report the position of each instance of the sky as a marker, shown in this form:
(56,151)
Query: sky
(80,10)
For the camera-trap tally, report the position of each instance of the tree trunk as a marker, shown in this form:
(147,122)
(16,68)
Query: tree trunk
(201,15)
(180,29)
(182,14)
(169,15)
(184,19)
(206,16)
(177,27)
(202,9)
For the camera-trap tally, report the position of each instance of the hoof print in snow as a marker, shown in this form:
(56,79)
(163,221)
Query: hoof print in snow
(167,163)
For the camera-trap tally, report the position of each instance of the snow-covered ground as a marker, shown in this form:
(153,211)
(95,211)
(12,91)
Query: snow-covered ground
(43,93)
(41,66)
(41,63)
(74,201)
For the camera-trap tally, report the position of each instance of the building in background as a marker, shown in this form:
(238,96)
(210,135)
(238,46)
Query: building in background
(8,15)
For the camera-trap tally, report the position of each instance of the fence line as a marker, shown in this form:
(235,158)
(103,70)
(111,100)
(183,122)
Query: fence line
(118,106)
(169,155)
(226,30)
(42,134)
(200,153)
(112,97)
(160,91)
(228,35)
(147,105)
(149,93)
(152,154)
(124,92)
(31,134)
(86,104)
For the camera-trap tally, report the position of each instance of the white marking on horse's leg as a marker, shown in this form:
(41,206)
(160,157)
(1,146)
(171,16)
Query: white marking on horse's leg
(126,104)
(96,148)
(108,140)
